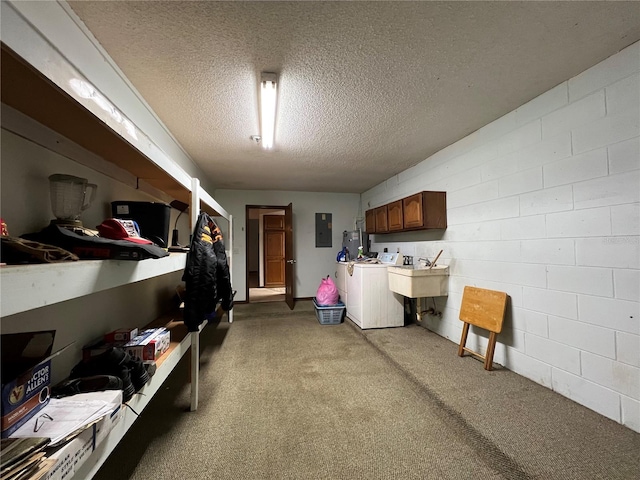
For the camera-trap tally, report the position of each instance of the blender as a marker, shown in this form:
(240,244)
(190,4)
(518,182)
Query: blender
(70,196)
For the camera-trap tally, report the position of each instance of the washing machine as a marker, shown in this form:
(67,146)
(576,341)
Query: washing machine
(370,303)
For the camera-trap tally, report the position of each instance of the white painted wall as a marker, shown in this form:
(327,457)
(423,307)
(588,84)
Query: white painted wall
(543,204)
(312,263)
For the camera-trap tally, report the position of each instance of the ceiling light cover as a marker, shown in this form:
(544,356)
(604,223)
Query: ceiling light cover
(268,98)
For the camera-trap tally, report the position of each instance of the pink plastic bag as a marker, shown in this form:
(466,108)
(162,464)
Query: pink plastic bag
(327,293)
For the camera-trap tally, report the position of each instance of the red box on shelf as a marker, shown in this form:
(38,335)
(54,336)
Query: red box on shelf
(150,344)
(122,335)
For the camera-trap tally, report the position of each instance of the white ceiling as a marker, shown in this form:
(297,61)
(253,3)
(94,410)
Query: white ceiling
(367,89)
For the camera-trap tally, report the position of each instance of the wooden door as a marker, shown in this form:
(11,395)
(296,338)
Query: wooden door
(290,262)
(394,216)
(274,251)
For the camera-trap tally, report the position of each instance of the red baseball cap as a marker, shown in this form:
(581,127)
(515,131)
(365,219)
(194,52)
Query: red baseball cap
(120,229)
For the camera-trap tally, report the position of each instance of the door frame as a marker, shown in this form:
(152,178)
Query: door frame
(289,275)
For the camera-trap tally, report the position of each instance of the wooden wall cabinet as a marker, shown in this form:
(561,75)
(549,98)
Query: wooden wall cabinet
(394,215)
(382,224)
(413,206)
(425,210)
(421,211)
(370,221)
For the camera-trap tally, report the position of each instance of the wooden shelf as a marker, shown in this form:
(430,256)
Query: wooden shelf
(28,91)
(25,287)
(172,322)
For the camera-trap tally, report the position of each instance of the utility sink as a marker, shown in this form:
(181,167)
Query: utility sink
(414,281)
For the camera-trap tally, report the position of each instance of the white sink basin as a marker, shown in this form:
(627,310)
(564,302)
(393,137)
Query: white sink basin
(417,282)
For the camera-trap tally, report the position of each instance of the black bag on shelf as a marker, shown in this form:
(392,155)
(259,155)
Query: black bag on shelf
(88,247)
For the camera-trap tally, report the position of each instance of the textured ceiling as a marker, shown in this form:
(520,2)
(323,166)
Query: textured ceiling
(367,89)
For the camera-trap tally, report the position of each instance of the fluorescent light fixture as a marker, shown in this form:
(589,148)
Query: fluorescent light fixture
(268,97)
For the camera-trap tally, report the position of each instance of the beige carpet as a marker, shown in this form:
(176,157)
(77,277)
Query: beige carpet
(283,397)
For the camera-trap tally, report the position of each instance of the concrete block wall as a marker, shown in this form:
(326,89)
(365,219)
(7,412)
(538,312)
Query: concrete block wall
(544,204)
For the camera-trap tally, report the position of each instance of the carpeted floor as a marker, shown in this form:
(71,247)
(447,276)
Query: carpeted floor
(283,397)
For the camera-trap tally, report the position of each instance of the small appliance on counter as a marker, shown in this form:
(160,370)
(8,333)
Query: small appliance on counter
(70,197)
(390,259)
(152,218)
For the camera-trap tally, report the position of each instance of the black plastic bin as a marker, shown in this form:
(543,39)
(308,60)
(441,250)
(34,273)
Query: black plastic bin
(151,217)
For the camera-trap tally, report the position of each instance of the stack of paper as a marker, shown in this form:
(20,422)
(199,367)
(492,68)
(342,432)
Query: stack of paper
(23,458)
(64,418)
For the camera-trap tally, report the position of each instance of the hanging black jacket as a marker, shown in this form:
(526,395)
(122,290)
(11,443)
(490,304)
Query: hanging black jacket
(206,274)
(223,277)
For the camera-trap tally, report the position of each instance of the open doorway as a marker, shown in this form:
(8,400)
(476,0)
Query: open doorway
(266,254)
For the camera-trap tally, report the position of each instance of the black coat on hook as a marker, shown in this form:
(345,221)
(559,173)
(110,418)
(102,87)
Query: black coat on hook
(206,275)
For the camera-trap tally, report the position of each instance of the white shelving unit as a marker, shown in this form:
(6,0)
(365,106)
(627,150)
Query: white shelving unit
(26,287)
(45,50)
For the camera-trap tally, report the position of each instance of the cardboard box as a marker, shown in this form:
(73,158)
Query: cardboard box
(100,345)
(72,455)
(122,335)
(26,375)
(150,344)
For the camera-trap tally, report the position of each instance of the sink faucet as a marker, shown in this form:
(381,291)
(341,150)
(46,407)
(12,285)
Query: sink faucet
(426,261)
